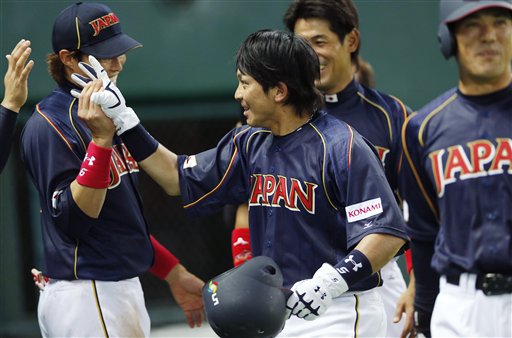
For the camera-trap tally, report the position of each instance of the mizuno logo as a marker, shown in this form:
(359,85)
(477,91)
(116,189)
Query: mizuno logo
(367,225)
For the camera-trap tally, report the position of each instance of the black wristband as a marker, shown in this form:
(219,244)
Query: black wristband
(139,142)
(354,267)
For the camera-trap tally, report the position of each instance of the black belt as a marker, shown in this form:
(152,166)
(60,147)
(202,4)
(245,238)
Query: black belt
(489,283)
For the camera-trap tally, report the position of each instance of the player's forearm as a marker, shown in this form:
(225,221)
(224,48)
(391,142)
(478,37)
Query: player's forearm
(7,124)
(89,200)
(380,249)
(242,216)
(89,189)
(426,278)
(162,167)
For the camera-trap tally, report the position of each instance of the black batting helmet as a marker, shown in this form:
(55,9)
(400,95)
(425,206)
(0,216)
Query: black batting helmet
(247,301)
(454,10)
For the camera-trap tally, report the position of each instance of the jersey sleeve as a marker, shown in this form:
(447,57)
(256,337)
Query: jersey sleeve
(420,209)
(421,214)
(368,201)
(53,173)
(216,177)
(401,112)
(7,123)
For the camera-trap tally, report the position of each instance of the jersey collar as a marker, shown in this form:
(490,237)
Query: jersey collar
(343,95)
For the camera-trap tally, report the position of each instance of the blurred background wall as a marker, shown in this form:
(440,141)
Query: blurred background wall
(181,84)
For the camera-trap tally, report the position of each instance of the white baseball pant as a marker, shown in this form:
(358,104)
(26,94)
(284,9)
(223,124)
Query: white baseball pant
(358,314)
(85,308)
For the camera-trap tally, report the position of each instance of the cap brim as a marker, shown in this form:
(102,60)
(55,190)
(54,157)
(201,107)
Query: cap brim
(112,47)
(472,7)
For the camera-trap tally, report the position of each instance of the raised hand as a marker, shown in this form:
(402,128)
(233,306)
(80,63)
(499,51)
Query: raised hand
(16,77)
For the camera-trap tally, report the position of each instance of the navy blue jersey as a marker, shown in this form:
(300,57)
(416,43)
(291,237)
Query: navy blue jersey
(113,247)
(378,117)
(7,123)
(458,181)
(313,194)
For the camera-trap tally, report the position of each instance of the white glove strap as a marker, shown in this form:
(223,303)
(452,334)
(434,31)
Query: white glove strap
(125,120)
(335,284)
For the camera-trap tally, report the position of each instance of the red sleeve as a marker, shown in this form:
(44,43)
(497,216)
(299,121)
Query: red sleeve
(240,246)
(408,261)
(164,260)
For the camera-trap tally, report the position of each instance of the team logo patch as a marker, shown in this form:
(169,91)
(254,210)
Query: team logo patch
(359,211)
(190,162)
(331,98)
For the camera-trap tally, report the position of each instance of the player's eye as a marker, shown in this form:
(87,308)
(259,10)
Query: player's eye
(501,21)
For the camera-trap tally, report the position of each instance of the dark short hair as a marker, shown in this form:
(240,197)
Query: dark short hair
(271,56)
(57,69)
(340,14)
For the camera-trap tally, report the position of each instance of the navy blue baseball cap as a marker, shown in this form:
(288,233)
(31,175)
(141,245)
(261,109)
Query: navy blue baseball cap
(93,29)
(455,10)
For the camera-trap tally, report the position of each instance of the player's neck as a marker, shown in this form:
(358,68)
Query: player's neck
(289,122)
(473,86)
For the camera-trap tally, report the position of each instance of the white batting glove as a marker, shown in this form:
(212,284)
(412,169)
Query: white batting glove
(309,300)
(110,99)
(332,279)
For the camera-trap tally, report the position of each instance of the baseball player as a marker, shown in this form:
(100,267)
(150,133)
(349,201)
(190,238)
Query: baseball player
(332,28)
(96,239)
(15,95)
(319,202)
(458,180)
(377,116)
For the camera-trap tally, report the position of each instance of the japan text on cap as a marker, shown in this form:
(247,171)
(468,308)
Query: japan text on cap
(93,29)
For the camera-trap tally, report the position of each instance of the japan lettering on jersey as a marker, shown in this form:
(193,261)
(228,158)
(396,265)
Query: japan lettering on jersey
(122,163)
(458,180)
(268,190)
(304,191)
(478,158)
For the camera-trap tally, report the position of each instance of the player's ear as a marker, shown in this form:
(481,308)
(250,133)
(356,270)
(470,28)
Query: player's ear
(281,92)
(67,58)
(352,39)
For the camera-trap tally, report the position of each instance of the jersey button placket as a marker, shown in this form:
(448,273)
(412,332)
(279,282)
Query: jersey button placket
(491,216)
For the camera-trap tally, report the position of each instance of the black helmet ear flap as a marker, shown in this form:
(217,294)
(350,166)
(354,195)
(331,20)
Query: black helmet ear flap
(446,40)
(247,301)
